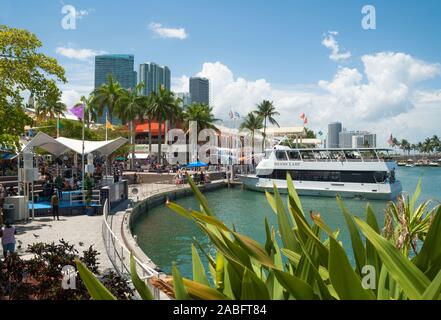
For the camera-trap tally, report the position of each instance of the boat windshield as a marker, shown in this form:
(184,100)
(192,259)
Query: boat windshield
(293,155)
(369,155)
(352,155)
(281,155)
(307,155)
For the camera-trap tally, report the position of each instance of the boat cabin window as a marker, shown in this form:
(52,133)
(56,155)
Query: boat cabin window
(352,155)
(281,155)
(268,154)
(293,155)
(307,155)
(368,155)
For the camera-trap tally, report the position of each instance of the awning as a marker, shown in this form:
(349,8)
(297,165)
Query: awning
(62,145)
(144,127)
(139,156)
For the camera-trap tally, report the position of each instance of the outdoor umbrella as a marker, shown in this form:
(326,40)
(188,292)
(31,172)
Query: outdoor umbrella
(197,164)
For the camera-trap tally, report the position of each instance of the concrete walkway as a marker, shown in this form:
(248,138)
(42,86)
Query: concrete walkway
(81,231)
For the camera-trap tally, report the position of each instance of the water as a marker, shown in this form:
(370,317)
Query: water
(166,237)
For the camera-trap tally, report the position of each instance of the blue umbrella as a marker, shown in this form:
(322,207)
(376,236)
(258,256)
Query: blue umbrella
(196,164)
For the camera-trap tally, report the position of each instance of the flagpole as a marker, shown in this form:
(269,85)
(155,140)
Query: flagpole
(58,126)
(82,158)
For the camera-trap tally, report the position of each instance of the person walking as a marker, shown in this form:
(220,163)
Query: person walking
(55,205)
(8,233)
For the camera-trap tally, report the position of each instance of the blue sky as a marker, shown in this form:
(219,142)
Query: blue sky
(279,42)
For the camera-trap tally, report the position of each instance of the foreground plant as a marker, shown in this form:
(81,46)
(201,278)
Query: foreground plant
(303,266)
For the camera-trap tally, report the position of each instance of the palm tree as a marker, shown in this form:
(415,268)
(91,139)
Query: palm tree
(436,143)
(163,106)
(106,96)
(202,114)
(89,109)
(251,123)
(50,110)
(129,106)
(266,111)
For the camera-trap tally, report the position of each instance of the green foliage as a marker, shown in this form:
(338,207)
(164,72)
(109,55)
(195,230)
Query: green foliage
(202,114)
(23,69)
(319,267)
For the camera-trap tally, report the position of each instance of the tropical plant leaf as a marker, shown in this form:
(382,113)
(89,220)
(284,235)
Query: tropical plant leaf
(199,196)
(431,250)
(345,281)
(296,287)
(179,209)
(357,245)
(415,196)
(407,275)
(253,288)
(140,286)
(200,291)
(433,291)
(199,274)
(220,271)
(178,285)
(294,199)
(95,288)
(254,249)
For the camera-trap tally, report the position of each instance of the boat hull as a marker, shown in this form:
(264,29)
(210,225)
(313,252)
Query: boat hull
(326,189)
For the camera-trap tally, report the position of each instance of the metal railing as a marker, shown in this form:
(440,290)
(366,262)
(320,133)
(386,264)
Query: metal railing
(77,196)
(119,255)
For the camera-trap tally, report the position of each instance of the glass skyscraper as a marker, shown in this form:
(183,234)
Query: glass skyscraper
(200,90)
(121,67)
(153,76)
(334,130)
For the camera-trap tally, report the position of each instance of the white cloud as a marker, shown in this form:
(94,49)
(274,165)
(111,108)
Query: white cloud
(383,97)
(180,84)
(79,54)
(332,44)
(80,14)
(162,32)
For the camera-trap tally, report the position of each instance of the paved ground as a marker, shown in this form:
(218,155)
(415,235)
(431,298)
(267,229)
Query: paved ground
(84,230)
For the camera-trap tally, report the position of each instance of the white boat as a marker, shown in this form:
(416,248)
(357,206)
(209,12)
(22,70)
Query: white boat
(434,164)
(411,165)
(356,173)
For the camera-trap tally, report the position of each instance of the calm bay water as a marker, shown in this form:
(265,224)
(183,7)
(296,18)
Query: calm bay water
(166,237)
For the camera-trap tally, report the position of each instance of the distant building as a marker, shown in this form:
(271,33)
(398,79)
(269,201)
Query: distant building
(121,67)
(200,90)
(357,139)
(185,97)
(153,76)
(334,130)
(365,140)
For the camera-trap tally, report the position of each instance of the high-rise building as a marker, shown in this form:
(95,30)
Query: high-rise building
(120,66)
(200,90)
(334,130)
(357,139)
(185,97)
(364,140)
(153,76)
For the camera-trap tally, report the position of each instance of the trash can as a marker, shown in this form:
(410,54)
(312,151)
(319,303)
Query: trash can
(8,212)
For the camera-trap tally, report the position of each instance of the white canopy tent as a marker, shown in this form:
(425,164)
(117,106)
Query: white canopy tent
(62,145)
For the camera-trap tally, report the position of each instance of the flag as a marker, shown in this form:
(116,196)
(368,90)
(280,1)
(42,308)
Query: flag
(305,121)
(320,133)
(78,111)
(391,140)
(303,116)
(109,125)
(236,115)
(231,114)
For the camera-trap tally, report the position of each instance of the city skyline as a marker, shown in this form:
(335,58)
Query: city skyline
(314,58)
